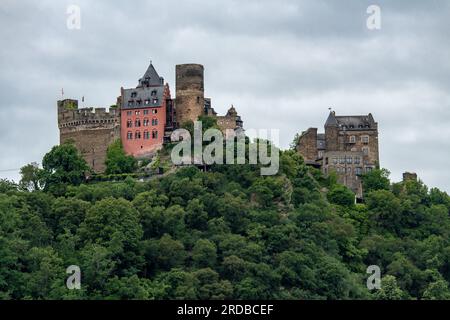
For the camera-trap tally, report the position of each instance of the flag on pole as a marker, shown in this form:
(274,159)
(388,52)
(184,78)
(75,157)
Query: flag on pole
(82,99)
(62,91)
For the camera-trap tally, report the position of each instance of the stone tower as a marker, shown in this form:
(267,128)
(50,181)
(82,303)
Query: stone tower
(190,98)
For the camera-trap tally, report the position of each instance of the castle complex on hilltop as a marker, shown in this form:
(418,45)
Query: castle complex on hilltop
(143,117)
(348,147)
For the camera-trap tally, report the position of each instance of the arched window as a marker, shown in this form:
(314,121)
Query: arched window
(154,122)
(137,123)
(129,135)
(155,134)
(137,135)
(146,135)
(146,122)
(129,123)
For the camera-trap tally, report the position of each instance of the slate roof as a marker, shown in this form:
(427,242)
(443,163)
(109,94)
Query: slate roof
(151,78)
(148,93)
(143,97)
(350,122)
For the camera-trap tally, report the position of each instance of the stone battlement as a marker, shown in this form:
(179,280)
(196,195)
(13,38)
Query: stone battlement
(69,115)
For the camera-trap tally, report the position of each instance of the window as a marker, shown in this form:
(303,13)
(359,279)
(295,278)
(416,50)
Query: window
(133,94)
(349,169)
(368,169)
(365,139)
(154,93)
(146,135)
(137,135)
(352,139)
(154,111)
(130,103)
(321,154)
(155,101)
(137,112)
(129,123)
(154,134)
(335,160)
(342,160)
(357,160)
(137,123)
(129,135)
(154,122)
(349,160)
(326,160)
(198,99)
(147,102)
(146,111)
(146,122)
(138,102)
(358,171)
(129,113)
(365,151)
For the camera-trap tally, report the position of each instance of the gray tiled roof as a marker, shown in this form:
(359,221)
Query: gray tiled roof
(143,94)
(151,77)
(350,122)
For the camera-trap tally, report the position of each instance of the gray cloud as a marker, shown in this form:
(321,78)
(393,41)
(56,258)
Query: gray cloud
(281,63)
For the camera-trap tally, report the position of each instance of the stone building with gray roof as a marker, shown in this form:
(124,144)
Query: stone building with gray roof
(349,147)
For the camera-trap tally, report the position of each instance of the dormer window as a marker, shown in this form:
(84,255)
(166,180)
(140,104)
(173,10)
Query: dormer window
(155,101)
(360,126)
(153,93)
(147,102)
(133,94)
(130,103)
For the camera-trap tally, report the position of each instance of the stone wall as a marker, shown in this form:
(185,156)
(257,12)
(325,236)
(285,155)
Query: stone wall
(91,130)
(307,145)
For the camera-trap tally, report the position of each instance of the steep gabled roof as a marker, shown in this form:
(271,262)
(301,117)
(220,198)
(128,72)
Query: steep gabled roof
(331,120)
(151,78)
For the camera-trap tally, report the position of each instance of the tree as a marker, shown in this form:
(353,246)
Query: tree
(204,254)
(63,166)
(164,254)
(385,210)
(389,289)
(117,161)
(114,224)
(377,179)
(31,177)
(437,290)
(340,194)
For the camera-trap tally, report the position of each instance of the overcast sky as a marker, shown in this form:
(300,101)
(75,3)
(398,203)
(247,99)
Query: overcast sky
(282,64)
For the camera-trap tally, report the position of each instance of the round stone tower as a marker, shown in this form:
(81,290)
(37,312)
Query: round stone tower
(190,98)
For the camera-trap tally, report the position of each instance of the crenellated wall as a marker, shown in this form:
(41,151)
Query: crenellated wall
(92,130)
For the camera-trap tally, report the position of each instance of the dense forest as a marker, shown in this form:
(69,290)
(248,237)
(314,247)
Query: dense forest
(224,233)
